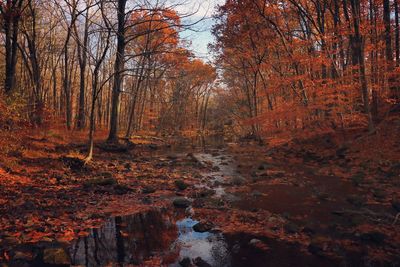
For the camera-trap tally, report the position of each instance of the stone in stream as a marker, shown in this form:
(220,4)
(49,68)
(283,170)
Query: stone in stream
(201,263)
(181,202)
(202,227)
(185,262)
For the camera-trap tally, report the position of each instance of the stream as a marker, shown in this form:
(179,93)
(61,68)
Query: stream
(168,233)
(131,240)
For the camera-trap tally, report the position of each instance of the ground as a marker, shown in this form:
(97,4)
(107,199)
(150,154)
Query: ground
(322,199)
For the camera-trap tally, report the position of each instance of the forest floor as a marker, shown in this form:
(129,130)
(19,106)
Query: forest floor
(310,202)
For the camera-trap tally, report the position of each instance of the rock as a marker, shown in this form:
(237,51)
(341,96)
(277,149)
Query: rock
(56,256)
(379,193)
(236,248)
(291,228)
(374,237)
(341,152)
(152,146)
(256,194)
(106,175)
(185,262)
(205,193)
(181,185)
(254,241)
(29,205)
(128,166)
(147,201)
(148,189)
(75,164)
(202,227)
(181,202)
(310,156)
(122,189)
(264,166)
(201,263)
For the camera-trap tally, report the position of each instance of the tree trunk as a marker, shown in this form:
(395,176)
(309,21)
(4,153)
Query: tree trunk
(82,56)
(388,49)
(359,53)
(11,17)
(118,75)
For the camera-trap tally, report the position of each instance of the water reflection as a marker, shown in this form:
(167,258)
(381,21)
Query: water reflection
(210,247)
(133,239)
(129,239)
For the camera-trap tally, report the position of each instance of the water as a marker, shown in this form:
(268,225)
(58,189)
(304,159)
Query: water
(168,235)
(210,247)
(128,239)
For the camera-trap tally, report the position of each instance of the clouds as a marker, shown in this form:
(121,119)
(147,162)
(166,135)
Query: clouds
(195,10)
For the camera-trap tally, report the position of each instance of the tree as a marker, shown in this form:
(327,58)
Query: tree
(11,12)
(118,72)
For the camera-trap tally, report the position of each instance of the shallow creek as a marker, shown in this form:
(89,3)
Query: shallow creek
(168,234)
(163,233)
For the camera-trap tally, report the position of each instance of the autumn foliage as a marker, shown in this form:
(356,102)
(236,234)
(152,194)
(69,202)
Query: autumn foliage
(307,65)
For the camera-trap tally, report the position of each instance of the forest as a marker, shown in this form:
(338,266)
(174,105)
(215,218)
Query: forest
(124,143)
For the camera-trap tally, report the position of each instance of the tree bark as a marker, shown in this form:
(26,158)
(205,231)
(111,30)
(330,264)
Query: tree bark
(118,75)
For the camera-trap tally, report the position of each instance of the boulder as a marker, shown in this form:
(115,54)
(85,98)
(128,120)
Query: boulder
(181,202)
(202,227)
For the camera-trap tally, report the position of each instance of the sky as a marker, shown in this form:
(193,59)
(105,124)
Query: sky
(201,35)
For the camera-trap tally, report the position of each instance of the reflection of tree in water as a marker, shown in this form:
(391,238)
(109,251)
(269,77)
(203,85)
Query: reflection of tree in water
(129,239)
